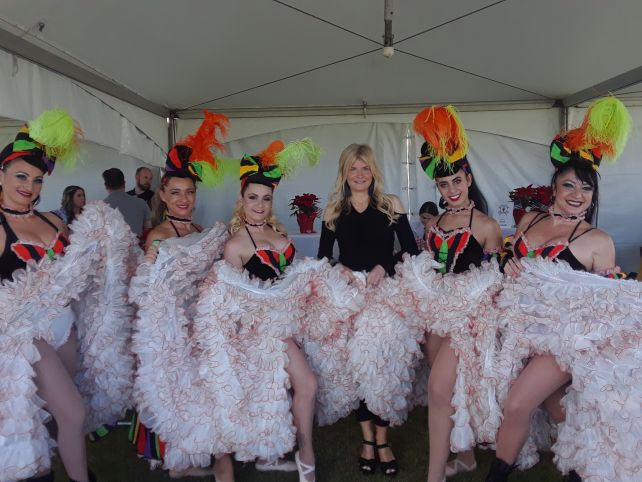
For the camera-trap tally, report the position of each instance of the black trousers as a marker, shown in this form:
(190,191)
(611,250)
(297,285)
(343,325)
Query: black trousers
(365,415)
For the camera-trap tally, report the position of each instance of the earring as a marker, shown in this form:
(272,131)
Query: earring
(442,203)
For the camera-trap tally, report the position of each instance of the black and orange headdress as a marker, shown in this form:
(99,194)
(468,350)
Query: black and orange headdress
(192,156)
(446,146)
(276,161)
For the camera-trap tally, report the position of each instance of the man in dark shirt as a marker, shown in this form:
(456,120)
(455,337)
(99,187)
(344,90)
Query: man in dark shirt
(143,184)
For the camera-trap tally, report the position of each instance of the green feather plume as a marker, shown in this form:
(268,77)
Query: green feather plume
(58,134)
(211,177)
(608,124)
(296,153)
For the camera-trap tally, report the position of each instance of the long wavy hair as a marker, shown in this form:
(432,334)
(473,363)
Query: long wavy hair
(339,201)
(67,202)
(238,217)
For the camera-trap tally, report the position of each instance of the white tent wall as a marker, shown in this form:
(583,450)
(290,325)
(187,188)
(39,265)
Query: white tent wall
(87,173)
(27,89)
(508,149)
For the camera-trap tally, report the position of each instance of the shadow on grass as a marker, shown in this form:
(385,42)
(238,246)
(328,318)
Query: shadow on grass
(113,459)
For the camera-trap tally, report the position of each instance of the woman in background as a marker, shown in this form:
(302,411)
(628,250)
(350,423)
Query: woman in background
(73,200)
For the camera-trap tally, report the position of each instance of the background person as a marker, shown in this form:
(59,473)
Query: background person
(73,201)
(142,190)
(135,211)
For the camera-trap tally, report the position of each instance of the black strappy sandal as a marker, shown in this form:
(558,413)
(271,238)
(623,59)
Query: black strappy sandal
(368,466)
(391,468)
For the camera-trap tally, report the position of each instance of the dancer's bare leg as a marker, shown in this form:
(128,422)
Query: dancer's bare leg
(304,385)
(223,468)
(431,347)
(553,404)
(539,379)
(64,402)
(441,383)
(68,353)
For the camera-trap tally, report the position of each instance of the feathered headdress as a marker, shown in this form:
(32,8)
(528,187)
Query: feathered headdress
(53,136)
(603,133)
(192,157)
(278,160)
(446,146)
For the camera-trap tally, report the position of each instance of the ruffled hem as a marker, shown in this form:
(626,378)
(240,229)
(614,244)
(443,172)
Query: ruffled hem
(167,390)
(593,327)
(454,306)
(54,284)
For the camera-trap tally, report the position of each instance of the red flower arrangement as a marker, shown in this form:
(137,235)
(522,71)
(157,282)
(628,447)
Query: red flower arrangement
(306,209)
(305,204)
(530,198)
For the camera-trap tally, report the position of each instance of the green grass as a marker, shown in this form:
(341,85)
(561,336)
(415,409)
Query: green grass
(113,458)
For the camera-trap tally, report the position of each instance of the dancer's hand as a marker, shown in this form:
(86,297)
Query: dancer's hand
(152,252)
(513,267)
(348,274)
(375,275)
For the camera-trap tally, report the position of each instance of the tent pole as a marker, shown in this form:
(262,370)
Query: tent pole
(563,114)
(171,128)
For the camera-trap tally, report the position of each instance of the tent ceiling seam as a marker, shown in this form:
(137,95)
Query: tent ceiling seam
(278,80)
(320,19)
(16,45)
(473,74)
(162,149)
(323,20)
(435,27)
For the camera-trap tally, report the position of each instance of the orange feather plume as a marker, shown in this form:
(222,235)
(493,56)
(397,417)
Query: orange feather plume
(205,138)
(268,155)
(443,131)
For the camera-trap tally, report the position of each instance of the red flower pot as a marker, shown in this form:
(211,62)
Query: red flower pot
(306,222)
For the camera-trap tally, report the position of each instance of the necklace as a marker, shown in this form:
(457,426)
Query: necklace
(461,210)
(14,213)
(259,225)
(179,220)
(566,218)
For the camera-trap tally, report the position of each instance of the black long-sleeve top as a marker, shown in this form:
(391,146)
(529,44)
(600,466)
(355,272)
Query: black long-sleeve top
(367,239)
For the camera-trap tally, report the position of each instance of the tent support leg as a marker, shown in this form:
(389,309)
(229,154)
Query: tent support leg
(171,129)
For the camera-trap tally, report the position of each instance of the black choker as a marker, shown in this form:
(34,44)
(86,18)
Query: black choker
(17,214)
(260,225)
(569,218)
(178,220)
(460,210)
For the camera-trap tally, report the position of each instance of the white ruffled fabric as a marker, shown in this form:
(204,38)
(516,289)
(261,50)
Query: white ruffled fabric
(29,303)
(593,327)
(168,394)
(325,330)
(458,306)
(245,321)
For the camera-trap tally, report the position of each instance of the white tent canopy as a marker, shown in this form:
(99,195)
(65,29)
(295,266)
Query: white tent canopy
(298,68)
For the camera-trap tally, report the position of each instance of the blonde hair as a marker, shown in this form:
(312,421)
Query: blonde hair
(238,220)
(339,201)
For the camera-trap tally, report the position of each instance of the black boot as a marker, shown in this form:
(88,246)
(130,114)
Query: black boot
(499,471)
(572,476)
(43,478)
